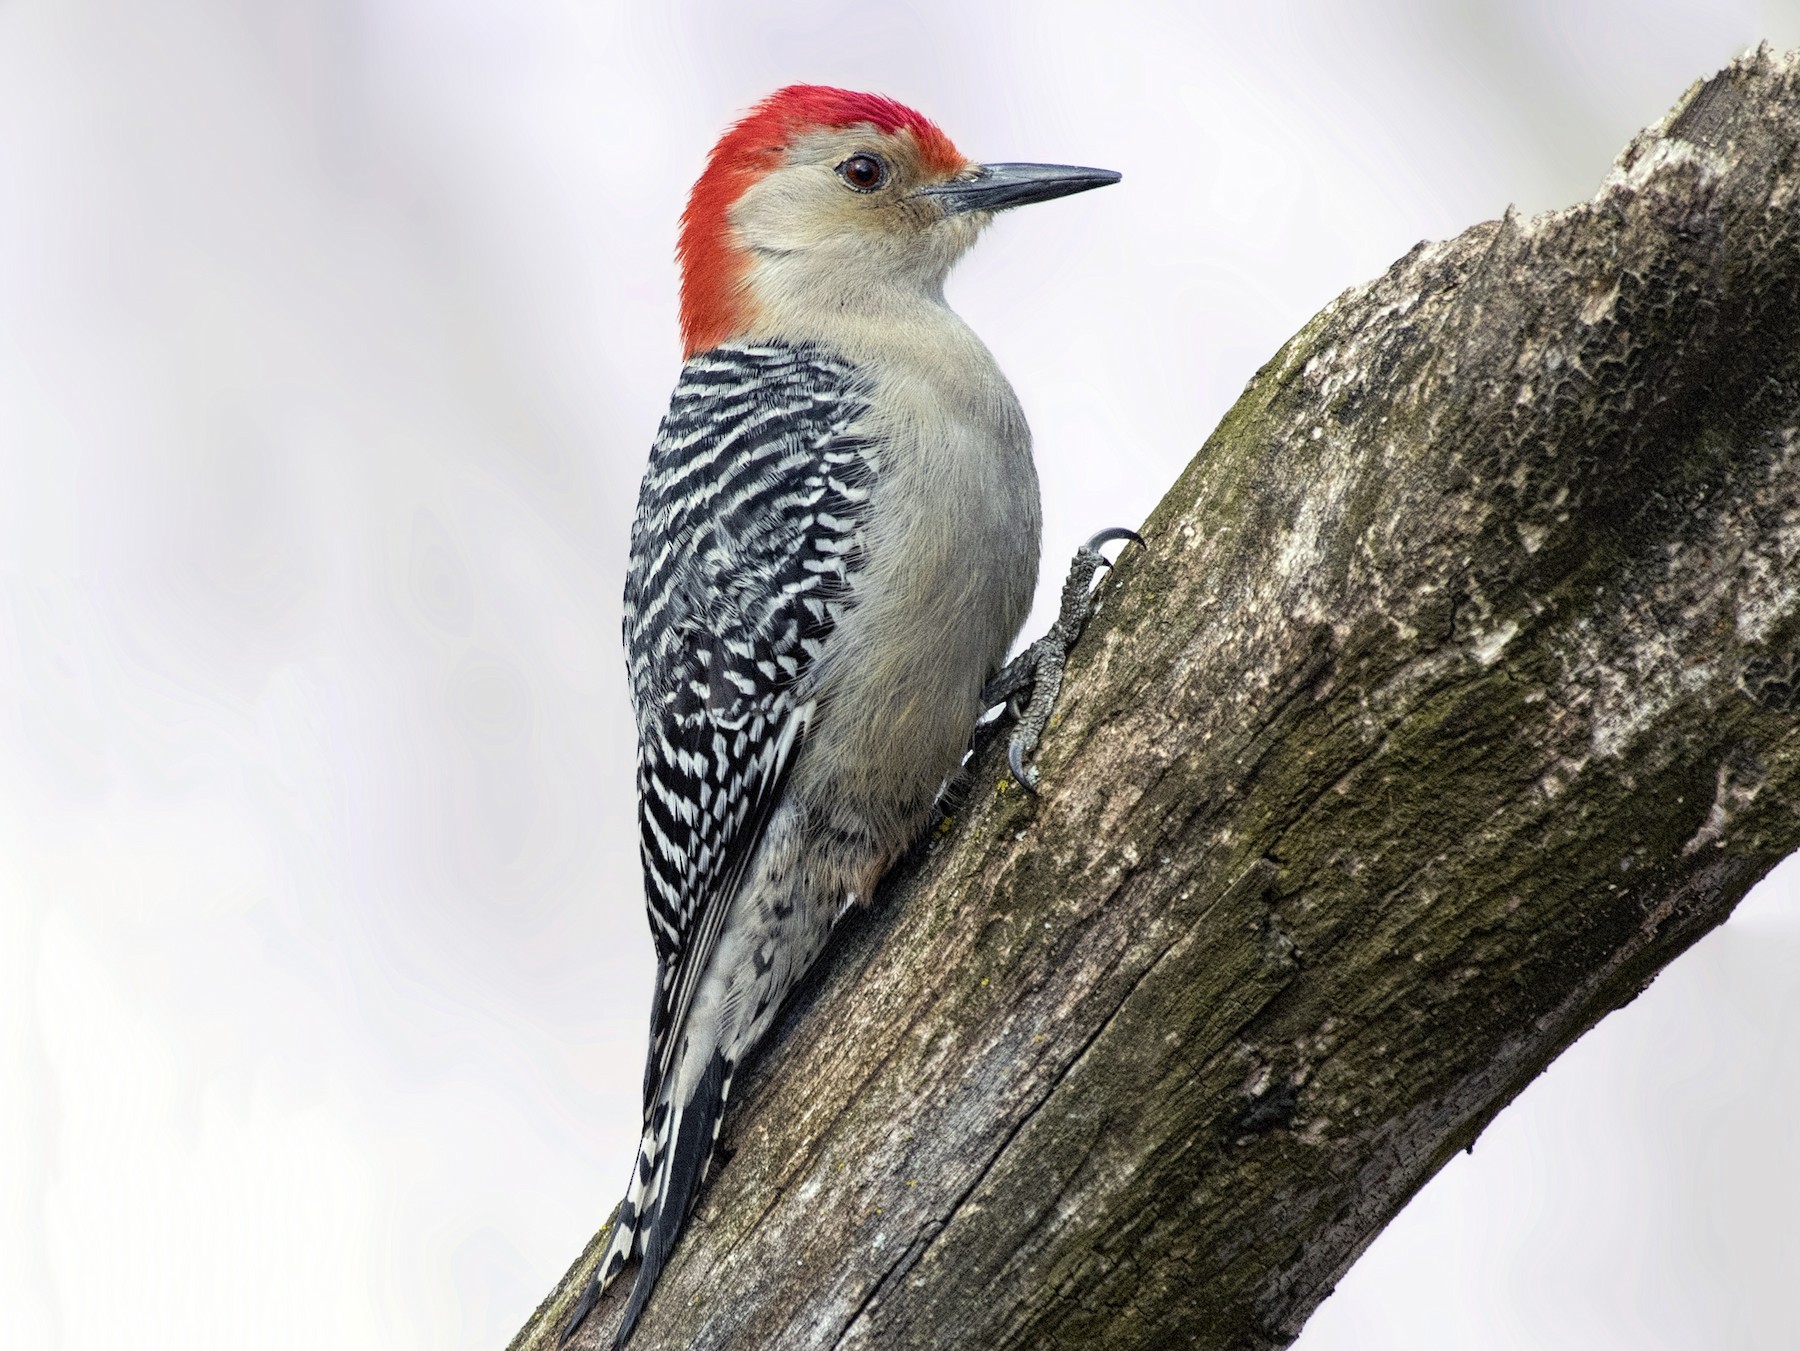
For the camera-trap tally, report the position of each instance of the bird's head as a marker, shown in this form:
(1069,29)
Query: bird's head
(825,199)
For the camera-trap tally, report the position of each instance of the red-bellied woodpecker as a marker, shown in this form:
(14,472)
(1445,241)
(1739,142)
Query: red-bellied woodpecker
(836,543)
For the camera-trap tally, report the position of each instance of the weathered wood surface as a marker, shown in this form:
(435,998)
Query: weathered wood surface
(1457,692)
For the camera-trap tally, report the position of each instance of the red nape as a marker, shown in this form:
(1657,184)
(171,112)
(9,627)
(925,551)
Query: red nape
(712,268)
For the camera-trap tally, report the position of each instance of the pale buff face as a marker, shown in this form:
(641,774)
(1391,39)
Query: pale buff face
(815,234)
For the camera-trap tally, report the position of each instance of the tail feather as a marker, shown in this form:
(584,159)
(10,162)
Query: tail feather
(678,1169)
(674,1157)
(635,1215)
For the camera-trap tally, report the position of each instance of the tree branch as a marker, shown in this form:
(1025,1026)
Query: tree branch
(1457,693)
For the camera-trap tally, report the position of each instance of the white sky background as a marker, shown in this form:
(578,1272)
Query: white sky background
(332,337)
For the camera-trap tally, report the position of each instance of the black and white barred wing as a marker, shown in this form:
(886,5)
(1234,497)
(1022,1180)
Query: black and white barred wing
(744,553)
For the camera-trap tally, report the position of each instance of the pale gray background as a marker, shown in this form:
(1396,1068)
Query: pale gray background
(332,335)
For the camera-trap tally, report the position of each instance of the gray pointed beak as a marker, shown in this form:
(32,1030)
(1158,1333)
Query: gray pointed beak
(994,187)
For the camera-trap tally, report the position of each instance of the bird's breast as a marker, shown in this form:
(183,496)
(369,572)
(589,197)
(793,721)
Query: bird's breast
(951,563)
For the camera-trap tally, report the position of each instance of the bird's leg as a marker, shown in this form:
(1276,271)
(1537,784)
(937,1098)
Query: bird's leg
(1039,668)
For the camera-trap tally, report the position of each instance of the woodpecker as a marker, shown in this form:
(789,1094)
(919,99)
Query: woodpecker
(836,543)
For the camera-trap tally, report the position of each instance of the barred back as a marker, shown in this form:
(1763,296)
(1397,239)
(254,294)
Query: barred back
(748,539)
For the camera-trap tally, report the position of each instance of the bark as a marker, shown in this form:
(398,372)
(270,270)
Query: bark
(1457,692)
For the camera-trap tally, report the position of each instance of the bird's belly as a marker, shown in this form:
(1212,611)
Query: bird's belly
(950,579)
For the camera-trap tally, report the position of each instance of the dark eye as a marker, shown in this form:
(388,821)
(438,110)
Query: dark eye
(864,173)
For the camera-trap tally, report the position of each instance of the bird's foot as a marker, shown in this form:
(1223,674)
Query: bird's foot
(1038,670)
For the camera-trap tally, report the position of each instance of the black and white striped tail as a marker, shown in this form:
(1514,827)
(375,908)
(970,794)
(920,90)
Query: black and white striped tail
(673,1159)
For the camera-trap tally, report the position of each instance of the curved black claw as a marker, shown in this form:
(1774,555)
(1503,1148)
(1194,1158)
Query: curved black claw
(1015,761)
(1109,535)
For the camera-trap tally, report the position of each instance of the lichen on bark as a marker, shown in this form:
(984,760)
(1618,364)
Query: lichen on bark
(1457,692)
